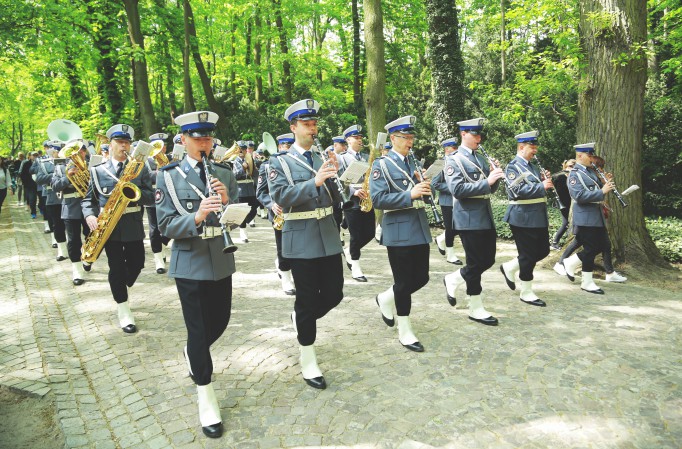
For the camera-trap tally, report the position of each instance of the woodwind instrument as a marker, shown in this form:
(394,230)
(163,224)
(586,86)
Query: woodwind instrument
(602,175)
(553,192)
(347,203)
(437,219)
(229,246)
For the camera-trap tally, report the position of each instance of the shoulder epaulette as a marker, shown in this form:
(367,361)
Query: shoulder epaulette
(279,153)
(169,166)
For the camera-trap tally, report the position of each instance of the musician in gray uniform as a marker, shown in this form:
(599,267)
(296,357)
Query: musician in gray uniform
(35,168)
(395,189)
(298,182)
(125,246)
(282,264)
(360,224)
(472,179)
(157,241)
(72,214)
(53,205)
(527,217)
(339,147)
(244,170)
(445,242)
(589,223)
(187,212)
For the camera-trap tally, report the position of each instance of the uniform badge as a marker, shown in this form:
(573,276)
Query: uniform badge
(572,181)
(449,170)
(186,168)
(105,189)
(158,195)
(511,175)
(190,205)
(591,187)
(376,174)
(273,175)
(203,117)
(475,175)
(124,128)
(404,182)
(310,104)
(260,179)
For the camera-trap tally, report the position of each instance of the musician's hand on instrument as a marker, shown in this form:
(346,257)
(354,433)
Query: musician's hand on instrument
(276,209)
(91,220)
(548,183)
(361,193)
(331,157)
(609,176)
(220,189)
(245,166)
(72,171)
(209,204)
(495,175)
(494,163)
(325,172)
(608,187)
(419,190)
(548,175)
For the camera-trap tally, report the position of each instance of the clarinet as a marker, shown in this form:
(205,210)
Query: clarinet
(437,219)
(602,175)
(555,195)
(347,202)
(229,246)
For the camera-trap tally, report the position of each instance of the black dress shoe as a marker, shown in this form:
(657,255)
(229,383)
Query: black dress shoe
(60,258)
(537,302)
(570,278)
(87,267)
(441,251)
(213,431)
(160,270)
(129,329)
(361,279)
(451,299)
(389,322)
(350,267)
(316,382)
(598,291)
(490,321)
(290,292)
(47,231)
(511,284)
(54,245)
(416,347)
(78,282)
(457,262)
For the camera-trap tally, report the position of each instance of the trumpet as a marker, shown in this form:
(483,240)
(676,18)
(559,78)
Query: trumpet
(437,219)
(347,203)
(554,194)
(602,175)
(229,246)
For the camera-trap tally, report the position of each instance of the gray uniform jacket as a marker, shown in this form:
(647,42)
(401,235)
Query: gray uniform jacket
(292,185)
(585,190)
(71,207)
(192,257)
(348,159)
(390,185)
(526,215)
(44,179)
(262,190)
(153,168)
(466,176)
(246,186)
(439,183)
(102,183)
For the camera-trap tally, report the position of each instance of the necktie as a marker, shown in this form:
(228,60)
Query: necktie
(407,166)
(202,172)
(309,156)
(357,156)
(119,169)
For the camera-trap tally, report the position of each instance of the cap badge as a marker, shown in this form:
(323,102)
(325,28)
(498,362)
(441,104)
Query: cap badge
(413,120)
(124,128)
(203,117)
(310,104)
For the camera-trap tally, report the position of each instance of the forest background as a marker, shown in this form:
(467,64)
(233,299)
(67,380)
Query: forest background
(519,63)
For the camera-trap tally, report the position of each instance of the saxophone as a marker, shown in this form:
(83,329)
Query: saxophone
(366,204)
(124,192)
(81,178)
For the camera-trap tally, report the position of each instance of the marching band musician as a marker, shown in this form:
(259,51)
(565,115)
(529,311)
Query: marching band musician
(361,224)
(202,271)
(406,235)
(72,215)
(527,217)
(471,179)
(243,170)
(282,264)
(589,223)
(125,246)
(157,241)
(297,183)
(339,147)
(445,241)
(53,205)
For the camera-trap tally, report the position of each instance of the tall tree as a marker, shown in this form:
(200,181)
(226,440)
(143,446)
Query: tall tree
(257,50)
(357,95)
(375,92)
(284,49)
(140,76)
(447,66)
(611,111)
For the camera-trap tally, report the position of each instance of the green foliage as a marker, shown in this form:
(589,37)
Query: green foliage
(667,235)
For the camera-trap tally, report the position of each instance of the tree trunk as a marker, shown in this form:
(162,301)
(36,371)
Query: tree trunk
(375,95)
(186,74)
(233,59)
(503,62)
(107,67)
(257,49)
(284,49)
(357,96)
(170,88)
(141,79)
(611,112)
(447,66)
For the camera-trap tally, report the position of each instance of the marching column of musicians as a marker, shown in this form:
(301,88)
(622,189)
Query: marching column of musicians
(300,187)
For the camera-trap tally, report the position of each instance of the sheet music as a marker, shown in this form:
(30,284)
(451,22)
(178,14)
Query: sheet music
(630,189)
(434,169)
(234,214)
(142,150)
(519,179)
(354,172)
(218,153)
(381,141)
(95,159)
(178,151)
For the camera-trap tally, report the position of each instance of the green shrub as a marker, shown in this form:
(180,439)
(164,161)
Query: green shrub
(667,235)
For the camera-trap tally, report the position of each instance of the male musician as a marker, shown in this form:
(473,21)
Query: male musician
(105,151)
(125,246)
(244,170)
(156,240)
(339,147)
(282,264)
(297,183)
(361,224)
(471,179)
(527,217)
(446,240)
(53,206)
(395,189)
(72,215)
(589,224)
(187,212)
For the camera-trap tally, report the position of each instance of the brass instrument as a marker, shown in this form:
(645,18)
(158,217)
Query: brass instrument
(366,204)
(124,192)
(271,147)
(229,246)
(157,153)
(81,178)
(602,175)
(250,164)
(101,140)
(230,154)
